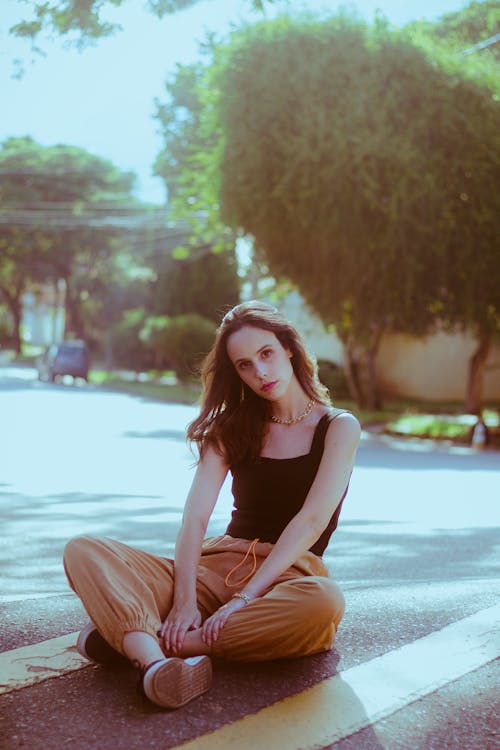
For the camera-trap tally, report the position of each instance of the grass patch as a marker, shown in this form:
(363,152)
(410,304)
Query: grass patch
(456,427)
(437,421)
(147,385)
(432,426)
(366,417)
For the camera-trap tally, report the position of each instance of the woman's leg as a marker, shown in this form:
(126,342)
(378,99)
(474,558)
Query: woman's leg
(296,618)
(127,593)
(124,590)
(141,648)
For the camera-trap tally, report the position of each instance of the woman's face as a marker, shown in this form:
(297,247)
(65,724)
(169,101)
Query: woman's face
(261,361)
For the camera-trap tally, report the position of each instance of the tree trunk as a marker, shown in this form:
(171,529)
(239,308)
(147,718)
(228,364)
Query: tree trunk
(475,375)
(15,307)
(74,322)
(360,371)
(108,350)
(16,310)
(373,393)
(352,372)
(372,397)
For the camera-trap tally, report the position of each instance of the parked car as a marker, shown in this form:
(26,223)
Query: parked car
(66,358)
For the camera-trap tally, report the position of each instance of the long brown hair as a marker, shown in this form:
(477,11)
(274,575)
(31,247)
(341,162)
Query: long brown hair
(232,417)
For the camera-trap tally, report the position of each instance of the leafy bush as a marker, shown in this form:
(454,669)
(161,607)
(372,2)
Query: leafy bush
(205,285)
(333,377)
(129,350)
(178,343)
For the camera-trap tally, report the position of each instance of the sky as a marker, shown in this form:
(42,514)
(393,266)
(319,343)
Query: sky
(103,98)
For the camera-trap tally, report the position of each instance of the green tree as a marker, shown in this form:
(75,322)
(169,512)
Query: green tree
(191,133)
(13,278)
(465,28)
(470,292)
(205,283)
(179,118)
(59,176)
(180,342)
(202,278)
(82,21)
(349,171)
(56,222)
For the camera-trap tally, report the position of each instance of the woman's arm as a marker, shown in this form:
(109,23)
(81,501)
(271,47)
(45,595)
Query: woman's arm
(207,482)
(305,528)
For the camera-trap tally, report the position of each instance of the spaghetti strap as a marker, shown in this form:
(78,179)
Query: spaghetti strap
(322,427)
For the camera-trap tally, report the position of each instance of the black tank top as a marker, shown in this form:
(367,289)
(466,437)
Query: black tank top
(269,492)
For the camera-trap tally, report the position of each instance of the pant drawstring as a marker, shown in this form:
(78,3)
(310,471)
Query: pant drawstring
(251,549)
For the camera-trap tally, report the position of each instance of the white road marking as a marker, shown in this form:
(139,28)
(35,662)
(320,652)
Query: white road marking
(325,713)
(342,705)
(28,665)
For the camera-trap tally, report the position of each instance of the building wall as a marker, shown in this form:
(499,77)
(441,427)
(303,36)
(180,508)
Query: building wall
(43,318)
(432,368)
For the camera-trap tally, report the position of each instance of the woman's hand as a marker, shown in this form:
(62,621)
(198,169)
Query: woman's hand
(214,624)
(173,631)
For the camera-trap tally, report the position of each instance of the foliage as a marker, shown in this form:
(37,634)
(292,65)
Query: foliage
(334,378)
(465,28)
(470,297)
(65,215)
(82,20)
(366,176)
(63,174)
(191,133)
(179,343)
(45,230)
(129,349)
(458,428)
(205,283)
(143,342)
(179,117)
(430,426)
(204,279)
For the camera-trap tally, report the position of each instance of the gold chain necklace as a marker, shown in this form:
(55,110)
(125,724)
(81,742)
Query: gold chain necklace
(294,420)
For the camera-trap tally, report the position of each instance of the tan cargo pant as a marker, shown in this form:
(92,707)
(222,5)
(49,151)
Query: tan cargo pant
(124,589)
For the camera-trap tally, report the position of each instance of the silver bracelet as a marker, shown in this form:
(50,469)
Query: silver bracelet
(240,595)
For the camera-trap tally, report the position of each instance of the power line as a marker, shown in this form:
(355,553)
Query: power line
(59,171)
(97,206)
(52,217)
(64,215)
(86,220)
(482,45)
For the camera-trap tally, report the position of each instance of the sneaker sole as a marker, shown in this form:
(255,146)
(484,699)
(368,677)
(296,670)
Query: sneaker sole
(175,682)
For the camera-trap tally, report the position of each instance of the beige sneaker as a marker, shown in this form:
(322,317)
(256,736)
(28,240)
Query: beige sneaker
(173,682)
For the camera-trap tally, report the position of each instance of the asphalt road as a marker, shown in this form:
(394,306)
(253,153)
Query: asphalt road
(416,552)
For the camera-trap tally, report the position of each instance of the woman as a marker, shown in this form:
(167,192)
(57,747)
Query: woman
(261,591)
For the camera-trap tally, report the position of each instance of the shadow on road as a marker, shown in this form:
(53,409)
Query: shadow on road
(431,555)
(50,714)
(158,434)
(383,451)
